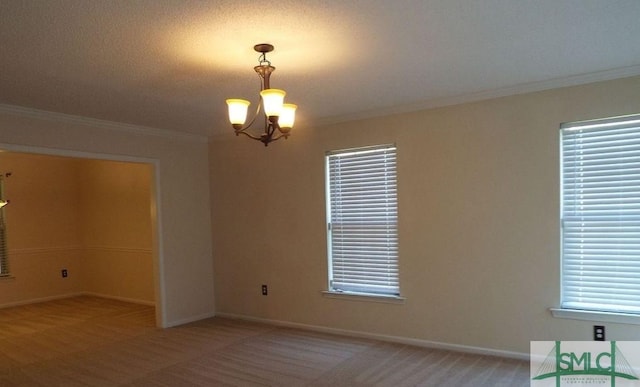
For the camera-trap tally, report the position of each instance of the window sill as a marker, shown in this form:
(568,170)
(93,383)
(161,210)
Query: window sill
(364,297)
(590,315)
(7,277)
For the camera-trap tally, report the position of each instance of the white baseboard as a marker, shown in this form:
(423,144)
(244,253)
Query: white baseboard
(76,294)
(188,320)
(38,300)
(388,338)
(118,298)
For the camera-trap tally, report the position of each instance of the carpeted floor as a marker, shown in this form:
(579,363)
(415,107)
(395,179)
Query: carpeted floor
(89,341)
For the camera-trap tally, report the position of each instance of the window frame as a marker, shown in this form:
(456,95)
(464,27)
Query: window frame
(571,305)
(366,291)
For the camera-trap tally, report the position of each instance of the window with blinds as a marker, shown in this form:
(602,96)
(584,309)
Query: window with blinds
(600,177)
(362,220)
(4,259)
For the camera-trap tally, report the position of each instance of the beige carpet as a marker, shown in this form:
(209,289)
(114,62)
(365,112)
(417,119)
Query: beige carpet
(88,341)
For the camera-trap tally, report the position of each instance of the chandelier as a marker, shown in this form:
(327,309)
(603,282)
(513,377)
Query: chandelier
(278,116)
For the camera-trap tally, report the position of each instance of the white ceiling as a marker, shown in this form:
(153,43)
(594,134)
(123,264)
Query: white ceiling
(170,64)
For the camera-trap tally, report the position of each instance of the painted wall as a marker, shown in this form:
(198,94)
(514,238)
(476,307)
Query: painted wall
(116,229)
(90,217)
(43,227)
(478,212)
(182,238)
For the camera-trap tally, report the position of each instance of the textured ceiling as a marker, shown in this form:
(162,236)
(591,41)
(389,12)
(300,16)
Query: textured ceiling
(170,64)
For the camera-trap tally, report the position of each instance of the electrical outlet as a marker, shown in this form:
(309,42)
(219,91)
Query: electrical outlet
(598,332)
(264,290)
(65,274)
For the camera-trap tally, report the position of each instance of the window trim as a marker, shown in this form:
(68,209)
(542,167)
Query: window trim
(369,297)
(355,294)
(592,315)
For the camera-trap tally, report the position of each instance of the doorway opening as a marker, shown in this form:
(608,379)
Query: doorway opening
(80,223)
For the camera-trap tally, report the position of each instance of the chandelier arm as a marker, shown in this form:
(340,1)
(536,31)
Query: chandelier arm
(278,135)
(253,119)
(268,135)
(271,129)
(257,110)
(242,131)
(276,138)
(255,115)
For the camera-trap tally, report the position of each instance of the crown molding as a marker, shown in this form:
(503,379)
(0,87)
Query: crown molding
(102,124)
(556,83)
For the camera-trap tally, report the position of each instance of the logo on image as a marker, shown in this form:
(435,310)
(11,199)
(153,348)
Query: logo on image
(585,363)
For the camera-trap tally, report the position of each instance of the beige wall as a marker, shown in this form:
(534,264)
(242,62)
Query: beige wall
(43,227)
(90,217)
(478,212)
(116,229)
(182,239)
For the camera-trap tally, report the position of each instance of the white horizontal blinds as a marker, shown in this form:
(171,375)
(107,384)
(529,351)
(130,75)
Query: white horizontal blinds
(601,215)
(363,220)
(4,261)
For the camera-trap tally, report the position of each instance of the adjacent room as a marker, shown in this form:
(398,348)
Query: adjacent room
(419,192)
(77,226)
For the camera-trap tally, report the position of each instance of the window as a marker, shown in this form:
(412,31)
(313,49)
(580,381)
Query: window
(600,177)
(362,221)
(4,260)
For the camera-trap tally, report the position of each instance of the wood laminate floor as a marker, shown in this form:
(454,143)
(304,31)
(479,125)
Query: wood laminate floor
(90,341)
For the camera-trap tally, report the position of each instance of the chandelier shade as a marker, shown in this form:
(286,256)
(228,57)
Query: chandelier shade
(287,116)
(238,111)
(272,100)
(279,116)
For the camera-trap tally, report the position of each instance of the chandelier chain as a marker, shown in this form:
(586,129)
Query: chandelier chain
(262,59)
